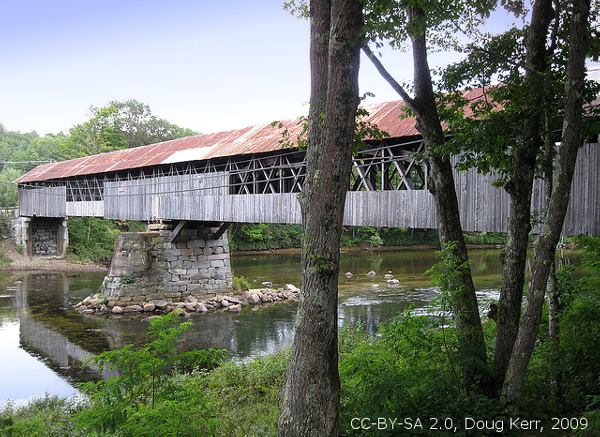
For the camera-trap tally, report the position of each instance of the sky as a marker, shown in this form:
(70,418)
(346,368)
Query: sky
(205,65)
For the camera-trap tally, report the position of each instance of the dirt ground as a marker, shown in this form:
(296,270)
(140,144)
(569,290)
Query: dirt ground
(20,262)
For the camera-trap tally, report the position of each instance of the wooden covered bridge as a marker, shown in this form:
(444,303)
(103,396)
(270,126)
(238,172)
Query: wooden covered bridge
(249,176)
(201,184)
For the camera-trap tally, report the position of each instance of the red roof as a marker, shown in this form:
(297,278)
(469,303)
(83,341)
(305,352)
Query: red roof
(389,117)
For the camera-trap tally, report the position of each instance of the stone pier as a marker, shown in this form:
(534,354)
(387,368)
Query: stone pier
(192,259)
(41,236)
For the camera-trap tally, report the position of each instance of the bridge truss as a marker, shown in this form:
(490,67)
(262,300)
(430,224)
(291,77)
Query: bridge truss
(381,168)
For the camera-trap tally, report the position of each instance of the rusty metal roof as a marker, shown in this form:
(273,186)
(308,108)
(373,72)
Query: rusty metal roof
(389,117)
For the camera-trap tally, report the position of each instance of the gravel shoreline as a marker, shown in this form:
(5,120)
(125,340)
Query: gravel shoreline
(20,262)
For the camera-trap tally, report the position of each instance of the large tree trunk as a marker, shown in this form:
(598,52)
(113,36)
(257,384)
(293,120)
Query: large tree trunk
(310,390)
(546,246)
(520,188)
(441,183)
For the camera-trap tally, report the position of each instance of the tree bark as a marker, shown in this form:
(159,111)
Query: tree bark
(476,376)
(546,246)
(520,188)
(310,390)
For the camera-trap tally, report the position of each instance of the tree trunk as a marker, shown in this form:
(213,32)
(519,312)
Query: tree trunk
(554,334)
(546,246)
(310,390)
(520,188)
(476,376)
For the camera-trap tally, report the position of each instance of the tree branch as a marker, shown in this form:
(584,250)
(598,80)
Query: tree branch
(387,76)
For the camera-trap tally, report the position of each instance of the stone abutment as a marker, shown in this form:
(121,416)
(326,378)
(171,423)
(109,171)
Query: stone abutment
(169,264)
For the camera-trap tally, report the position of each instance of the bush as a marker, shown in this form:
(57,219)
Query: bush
(240,284)
(147,398)
(49,415)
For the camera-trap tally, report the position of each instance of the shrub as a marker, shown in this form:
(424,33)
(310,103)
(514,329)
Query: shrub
(240,284)
(146,399)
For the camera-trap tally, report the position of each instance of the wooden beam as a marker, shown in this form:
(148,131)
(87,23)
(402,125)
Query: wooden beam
(177,230)
(221,230)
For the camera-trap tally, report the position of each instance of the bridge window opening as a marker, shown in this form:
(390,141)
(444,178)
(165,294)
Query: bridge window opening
(283,173)
(84,189)
(388,168)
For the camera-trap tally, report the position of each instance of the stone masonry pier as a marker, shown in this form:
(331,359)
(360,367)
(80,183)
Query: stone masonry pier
(170,264)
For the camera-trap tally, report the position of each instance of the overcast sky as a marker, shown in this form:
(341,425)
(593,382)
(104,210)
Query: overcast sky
(204,65)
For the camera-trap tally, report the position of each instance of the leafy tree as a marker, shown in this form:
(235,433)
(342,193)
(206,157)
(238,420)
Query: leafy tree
(420,24)
(9,196)
(139,126)
(11,142)
(310,390)
(119,125)
(40,149)
(559,200)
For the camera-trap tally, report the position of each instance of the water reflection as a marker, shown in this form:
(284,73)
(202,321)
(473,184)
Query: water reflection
(44,341)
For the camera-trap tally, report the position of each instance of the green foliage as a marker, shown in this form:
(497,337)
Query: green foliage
(407,371)
(486,131)
(273,236)
(580,330)
(119,125)
(240,284)
(263,236)
(9,195)
(94,239)
(145,399)
(244,394)
(485,237)
(353,236)
(49,415)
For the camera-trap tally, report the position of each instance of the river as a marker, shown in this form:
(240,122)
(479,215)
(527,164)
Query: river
(44,340)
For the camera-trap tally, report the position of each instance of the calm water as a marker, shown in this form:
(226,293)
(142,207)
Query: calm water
(43,341)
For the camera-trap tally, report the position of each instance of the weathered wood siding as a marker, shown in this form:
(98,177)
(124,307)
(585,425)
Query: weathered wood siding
(205,197)
(90,208)
(583,215)
(43,202)
(157,198)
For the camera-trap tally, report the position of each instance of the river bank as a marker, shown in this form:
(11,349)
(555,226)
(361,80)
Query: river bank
(357,250)
(22,263)
(19,262)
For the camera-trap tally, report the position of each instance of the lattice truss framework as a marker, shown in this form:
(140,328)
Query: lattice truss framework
(385,167)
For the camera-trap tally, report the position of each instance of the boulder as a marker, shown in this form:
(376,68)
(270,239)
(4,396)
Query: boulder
(116,310)
(253,299)
(235,308)
(292,288)
(201,308)
(191,299)
(149,307)
(133,309)
(393,282)
(161,304)
(371,274)
(348,275)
